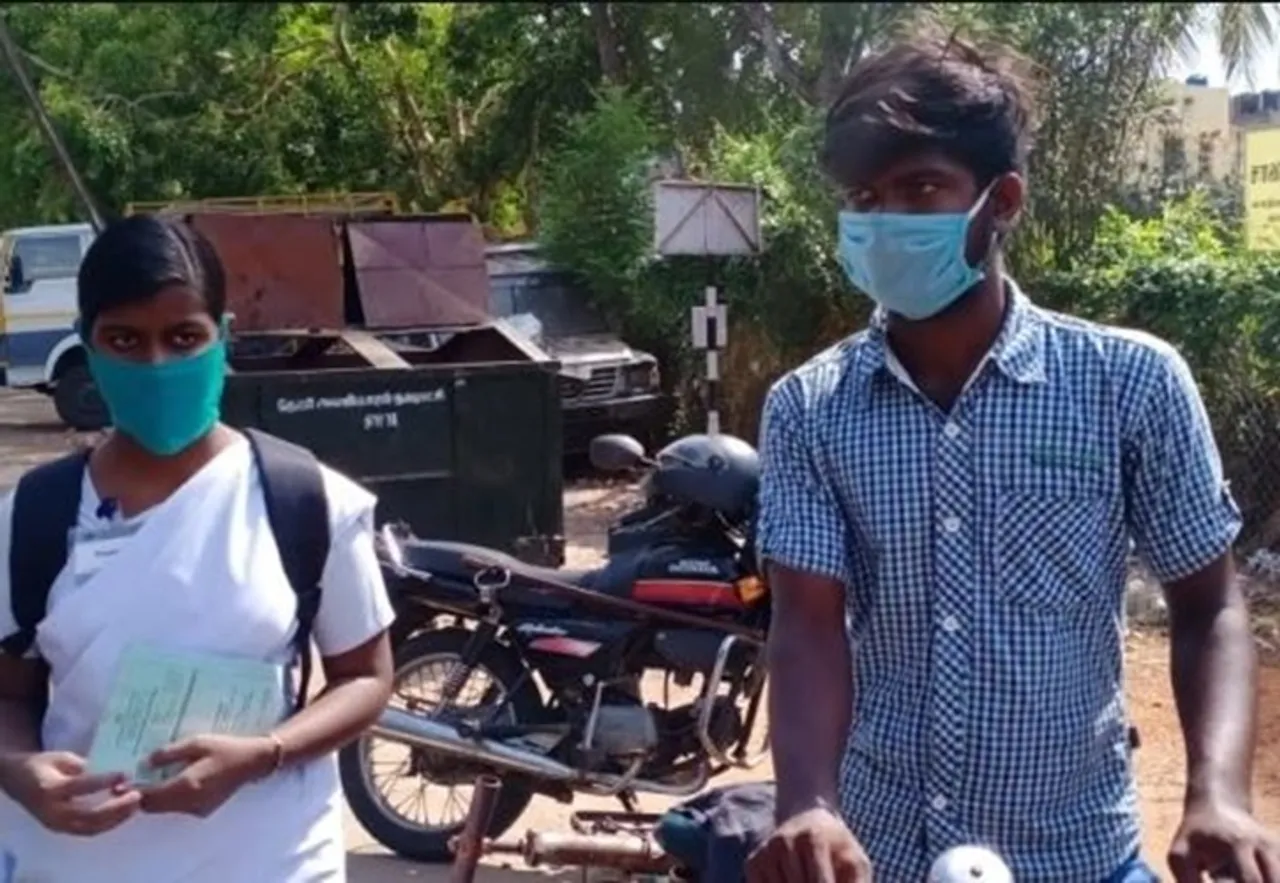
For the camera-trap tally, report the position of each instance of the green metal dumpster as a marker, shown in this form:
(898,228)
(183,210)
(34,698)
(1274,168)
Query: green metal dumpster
(460,439)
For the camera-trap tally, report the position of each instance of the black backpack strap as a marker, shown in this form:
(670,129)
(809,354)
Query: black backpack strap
(46,506)
(298,510)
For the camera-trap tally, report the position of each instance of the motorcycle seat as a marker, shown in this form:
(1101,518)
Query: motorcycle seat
(459,561)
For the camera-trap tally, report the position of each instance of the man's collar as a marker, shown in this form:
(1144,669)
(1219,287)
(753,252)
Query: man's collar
(1018,350)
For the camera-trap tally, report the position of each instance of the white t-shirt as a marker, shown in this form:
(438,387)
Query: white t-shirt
(353,602)
(286,829)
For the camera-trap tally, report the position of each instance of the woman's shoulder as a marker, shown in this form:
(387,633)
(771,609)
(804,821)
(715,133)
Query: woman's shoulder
(348,501)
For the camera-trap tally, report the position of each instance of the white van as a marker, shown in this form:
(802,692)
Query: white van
(39,347)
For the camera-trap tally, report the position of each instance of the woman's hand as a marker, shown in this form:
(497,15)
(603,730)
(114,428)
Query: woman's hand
(52,785)
(214,768)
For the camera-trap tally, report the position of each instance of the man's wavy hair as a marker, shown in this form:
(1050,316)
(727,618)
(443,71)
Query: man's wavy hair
(932,91)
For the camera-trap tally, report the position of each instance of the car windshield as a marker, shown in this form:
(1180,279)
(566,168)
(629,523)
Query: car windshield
(561,310)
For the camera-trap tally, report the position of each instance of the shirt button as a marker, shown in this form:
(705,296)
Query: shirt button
(951,624)
(939,803)
(951,524)
(951,430)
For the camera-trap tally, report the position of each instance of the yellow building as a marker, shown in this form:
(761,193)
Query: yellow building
(1204,134)
(1262,188)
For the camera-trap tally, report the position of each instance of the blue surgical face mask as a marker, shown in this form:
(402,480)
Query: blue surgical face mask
(164,406)
(912,265)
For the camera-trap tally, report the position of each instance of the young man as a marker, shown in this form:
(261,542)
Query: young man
(947,507)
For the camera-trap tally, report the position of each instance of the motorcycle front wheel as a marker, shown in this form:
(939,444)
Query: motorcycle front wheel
(385,813)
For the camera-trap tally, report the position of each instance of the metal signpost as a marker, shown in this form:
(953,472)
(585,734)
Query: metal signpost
(707,220)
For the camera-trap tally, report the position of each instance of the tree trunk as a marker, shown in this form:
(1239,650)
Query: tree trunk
(833,43)
(397,128)
(607,44)
(784,68)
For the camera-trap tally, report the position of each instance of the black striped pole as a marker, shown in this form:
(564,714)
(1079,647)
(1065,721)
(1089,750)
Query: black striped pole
(711,335)
(713,365)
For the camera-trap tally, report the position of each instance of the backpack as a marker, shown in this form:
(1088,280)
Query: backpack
(46,505)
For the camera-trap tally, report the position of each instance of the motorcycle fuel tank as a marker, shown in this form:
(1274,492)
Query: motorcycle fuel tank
(686,575)
(572,638)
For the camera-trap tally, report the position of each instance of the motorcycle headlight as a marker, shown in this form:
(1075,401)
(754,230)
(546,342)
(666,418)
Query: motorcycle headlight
(642,378)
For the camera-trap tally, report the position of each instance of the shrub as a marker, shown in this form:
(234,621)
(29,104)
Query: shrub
(596,221)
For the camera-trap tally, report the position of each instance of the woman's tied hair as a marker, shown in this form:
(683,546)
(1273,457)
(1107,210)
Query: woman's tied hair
(931,91)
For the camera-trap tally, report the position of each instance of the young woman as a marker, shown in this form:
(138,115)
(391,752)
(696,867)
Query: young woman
(191,567)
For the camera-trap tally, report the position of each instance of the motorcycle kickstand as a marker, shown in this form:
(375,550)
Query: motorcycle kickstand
(629,802)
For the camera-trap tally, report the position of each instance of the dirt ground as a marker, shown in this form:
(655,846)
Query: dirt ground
(29,434)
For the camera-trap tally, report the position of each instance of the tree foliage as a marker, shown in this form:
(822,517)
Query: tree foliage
(552,119)
(596,214)
(456,104)
(1100,68)
(440,103)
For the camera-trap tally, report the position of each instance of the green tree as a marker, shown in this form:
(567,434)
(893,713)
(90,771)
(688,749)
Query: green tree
(457,105)
(1100,67)
(440,103)
(1245,32)
(596,213)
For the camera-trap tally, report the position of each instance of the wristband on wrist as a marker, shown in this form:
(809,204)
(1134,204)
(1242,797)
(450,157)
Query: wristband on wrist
(277,754)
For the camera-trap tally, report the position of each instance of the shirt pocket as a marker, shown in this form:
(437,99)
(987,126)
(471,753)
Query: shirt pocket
(1052,536)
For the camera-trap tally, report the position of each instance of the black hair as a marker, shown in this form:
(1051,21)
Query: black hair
(133,259)
(932,91)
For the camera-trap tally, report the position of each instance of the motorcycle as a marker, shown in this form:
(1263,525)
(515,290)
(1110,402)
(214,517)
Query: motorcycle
(560,657)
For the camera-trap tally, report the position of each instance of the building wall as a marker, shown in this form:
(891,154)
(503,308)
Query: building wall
(1256,109)
(1193,135)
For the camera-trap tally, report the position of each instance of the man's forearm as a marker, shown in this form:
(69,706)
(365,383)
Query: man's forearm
(1215,668)
(810,704)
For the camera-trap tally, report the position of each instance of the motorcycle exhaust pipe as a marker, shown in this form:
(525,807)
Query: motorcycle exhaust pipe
(417,731)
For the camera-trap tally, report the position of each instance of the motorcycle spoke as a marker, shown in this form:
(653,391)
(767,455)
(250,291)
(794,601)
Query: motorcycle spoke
(403,783)
(452,800)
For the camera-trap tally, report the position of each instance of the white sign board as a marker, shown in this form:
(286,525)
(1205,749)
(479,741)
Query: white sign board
(693,218)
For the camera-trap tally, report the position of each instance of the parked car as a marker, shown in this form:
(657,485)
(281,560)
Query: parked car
(606,385)
(40,347)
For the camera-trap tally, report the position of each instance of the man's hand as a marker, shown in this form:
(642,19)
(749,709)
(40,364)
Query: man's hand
(214,768)
(814,846)
(1224,841)
(52,787)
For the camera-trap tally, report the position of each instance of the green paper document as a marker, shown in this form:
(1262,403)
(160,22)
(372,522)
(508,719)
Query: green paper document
(160,697)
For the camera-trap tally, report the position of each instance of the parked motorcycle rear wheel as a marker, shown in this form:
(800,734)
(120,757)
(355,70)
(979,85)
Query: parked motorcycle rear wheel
(431,844)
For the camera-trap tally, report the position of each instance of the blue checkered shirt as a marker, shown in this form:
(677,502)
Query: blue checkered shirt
(983,553)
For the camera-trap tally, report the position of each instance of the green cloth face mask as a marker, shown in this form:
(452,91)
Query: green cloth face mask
(164,406)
